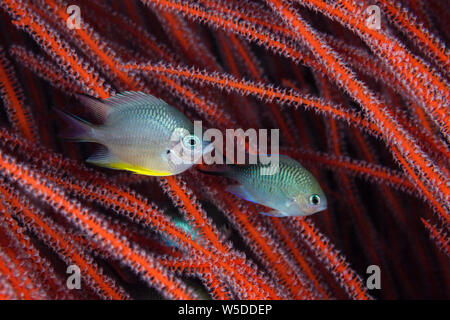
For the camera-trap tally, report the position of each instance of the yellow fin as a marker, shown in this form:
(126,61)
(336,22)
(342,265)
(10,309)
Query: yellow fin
(130,167)
(103,158)
(139,170)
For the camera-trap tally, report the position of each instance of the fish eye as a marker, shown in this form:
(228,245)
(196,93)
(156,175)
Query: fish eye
(314,199)
(191,141)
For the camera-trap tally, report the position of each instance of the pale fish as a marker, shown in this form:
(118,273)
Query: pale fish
(140,133)
(288,189)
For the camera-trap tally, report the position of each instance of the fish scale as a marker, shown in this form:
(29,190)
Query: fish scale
(290,191)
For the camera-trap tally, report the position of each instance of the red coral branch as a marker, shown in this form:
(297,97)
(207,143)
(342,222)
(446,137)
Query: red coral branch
(246,62)
(331,258)
(13,98)
(439,235)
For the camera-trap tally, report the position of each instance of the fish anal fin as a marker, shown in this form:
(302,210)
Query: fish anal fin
(273,213)
(104,158)
(143,171)
(239,191)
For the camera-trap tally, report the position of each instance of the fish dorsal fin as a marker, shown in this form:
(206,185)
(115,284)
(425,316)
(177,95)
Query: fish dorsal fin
(289,161)
(132,99)
(97,108)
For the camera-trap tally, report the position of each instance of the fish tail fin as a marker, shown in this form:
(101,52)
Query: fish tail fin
(75,128)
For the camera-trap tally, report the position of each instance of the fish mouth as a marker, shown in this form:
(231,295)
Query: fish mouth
(322,207)
(313,209)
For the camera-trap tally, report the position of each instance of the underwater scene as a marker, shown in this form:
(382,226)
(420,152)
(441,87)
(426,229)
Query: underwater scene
(224,150)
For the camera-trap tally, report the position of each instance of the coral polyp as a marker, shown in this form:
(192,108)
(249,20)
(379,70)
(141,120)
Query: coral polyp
(358,90)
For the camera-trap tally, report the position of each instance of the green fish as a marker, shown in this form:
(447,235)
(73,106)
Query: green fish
(141,133)
(181,223)
(287,188)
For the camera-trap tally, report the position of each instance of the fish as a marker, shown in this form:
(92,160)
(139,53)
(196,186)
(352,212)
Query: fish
(288,189)
(225,230)
(139,133)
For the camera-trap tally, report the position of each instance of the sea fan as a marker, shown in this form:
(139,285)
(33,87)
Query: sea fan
(364,108)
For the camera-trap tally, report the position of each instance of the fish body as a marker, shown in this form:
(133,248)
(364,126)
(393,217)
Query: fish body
(195,235)
(141,133)
(290,190)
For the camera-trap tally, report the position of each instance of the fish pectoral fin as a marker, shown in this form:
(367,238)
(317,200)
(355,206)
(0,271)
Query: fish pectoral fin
(208,148)
(239,191)
(104,158)
(273,213)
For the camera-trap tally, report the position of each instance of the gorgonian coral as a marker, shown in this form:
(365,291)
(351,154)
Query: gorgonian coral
(365,109)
